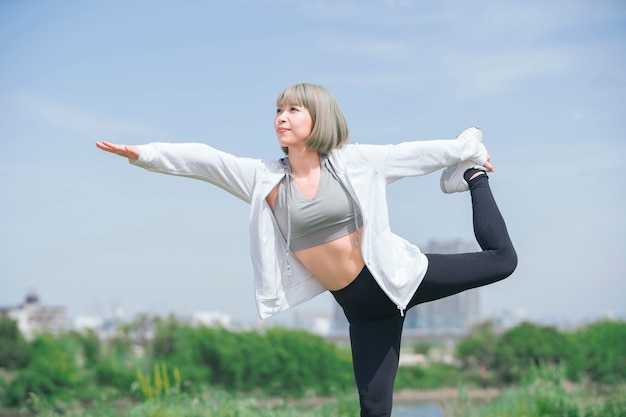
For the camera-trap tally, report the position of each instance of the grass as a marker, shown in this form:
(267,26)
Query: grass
(214,403)
(546,393)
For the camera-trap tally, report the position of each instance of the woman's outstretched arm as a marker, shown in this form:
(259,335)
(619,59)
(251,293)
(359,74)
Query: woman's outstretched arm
(234,174)
(423,157)
(130,152)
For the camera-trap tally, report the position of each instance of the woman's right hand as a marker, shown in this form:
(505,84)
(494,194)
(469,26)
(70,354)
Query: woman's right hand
(130,152)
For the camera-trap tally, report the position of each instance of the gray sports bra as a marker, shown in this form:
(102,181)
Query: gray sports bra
(329,215)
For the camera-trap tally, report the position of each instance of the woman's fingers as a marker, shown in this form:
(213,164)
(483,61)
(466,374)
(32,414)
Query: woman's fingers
(109,147)
(126,151)
(488,164)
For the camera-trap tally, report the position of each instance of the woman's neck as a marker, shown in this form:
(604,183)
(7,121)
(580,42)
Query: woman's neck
(303,161)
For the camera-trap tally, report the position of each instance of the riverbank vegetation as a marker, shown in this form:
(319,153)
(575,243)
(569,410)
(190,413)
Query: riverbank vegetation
(183,370)
(546,391)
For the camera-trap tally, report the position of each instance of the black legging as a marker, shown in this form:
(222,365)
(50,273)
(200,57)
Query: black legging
(375,321)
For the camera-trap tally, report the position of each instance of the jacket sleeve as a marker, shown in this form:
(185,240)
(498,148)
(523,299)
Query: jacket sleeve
(203,162)
(421,157)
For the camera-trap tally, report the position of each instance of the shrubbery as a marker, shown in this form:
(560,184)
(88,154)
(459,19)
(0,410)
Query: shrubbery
(545,391)
(13,349)
(273,362)
(51,372)
(278,361)
(117,372)
(596,351)
(281,362)
(525,346)
(435,375)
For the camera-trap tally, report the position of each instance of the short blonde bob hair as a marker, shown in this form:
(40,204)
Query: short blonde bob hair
(330,129)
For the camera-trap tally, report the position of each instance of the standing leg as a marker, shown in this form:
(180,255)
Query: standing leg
(451,274)
(375,333)
(375,357)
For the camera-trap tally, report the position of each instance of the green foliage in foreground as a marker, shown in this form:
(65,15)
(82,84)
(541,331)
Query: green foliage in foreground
(278,361)
(214,403)
(599,352)
(596,351)
(435,375)
(13,349)
(51,372)
(547,393)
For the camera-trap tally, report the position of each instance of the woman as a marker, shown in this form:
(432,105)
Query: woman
(319,222)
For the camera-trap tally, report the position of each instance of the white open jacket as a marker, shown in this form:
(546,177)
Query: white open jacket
(365,170)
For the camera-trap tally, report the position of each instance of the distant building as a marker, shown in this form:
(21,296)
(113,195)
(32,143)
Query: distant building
(33,318)
(95,323)
(317,323)
(447,318)
(510,318)
(211,319)
(451,316)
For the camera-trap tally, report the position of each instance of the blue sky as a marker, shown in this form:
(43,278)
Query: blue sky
(544,80)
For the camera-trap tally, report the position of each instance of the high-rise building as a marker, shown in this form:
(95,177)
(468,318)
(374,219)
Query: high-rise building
(450,316)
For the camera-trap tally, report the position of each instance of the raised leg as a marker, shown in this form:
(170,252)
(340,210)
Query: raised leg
(452,273)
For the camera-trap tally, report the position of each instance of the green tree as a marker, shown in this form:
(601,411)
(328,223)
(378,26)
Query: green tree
(165,341)
(306,361)
(56,358)
(422,348)
(528,345)
(116,370)
(599,352)
(13,348)
(432,376)
(135,333)
(90,346)
(179,346)
(275,361)
(51,373)
(476,352)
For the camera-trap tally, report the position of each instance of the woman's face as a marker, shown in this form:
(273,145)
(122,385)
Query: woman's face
(293,125)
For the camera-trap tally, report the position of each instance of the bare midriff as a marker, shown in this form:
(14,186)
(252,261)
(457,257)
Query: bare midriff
(334,264)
